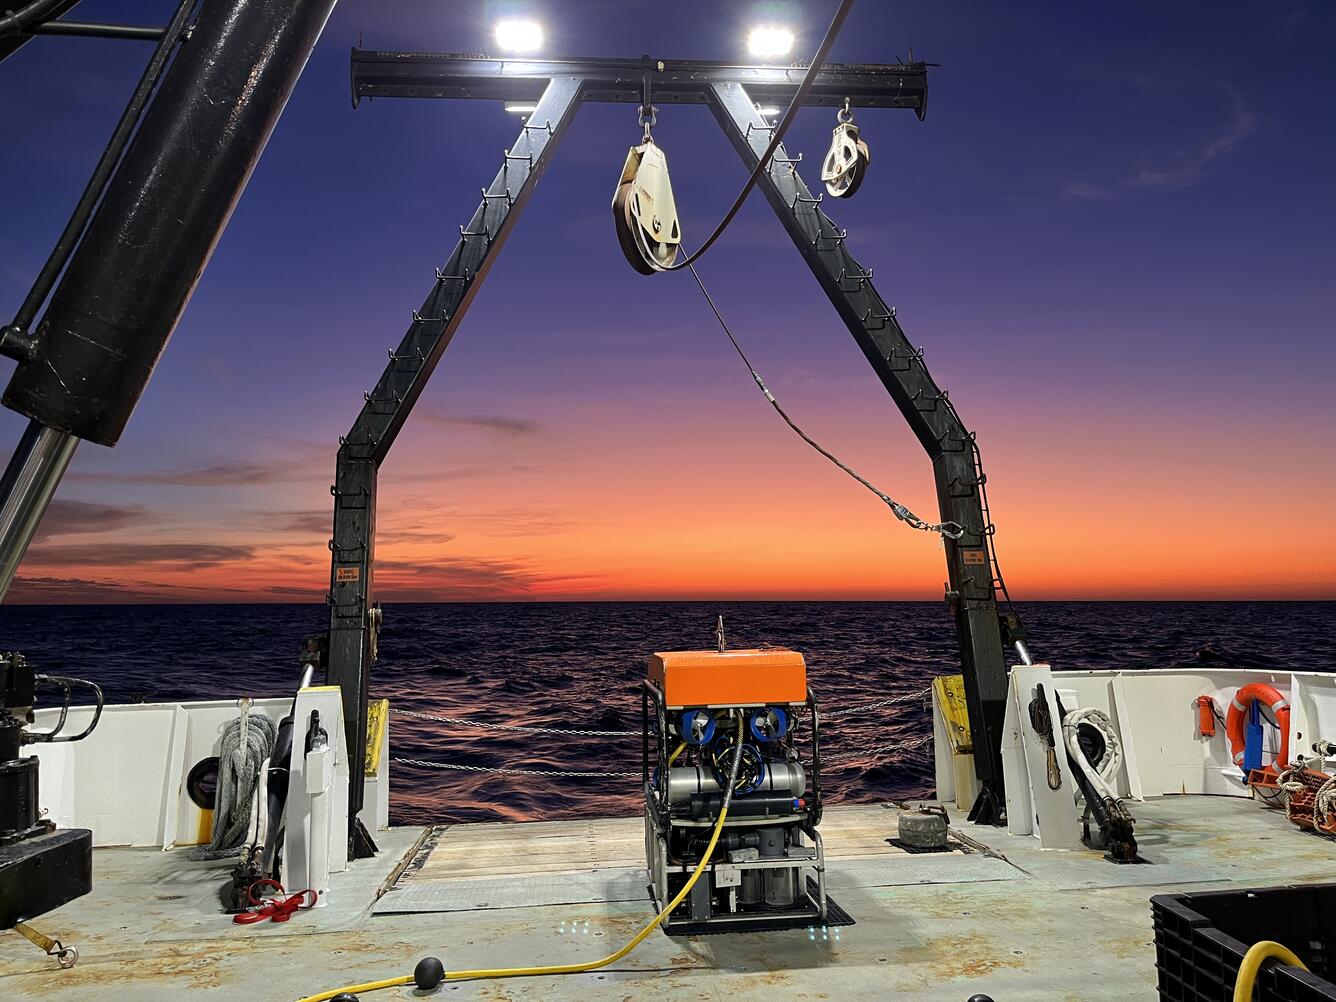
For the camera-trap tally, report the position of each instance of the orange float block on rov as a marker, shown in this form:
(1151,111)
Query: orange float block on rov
(729,678)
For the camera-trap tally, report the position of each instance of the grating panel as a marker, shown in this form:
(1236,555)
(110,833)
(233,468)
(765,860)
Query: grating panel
(527,891)
(943,868)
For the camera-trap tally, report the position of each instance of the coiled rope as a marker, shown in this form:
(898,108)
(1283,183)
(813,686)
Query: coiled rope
(247,742)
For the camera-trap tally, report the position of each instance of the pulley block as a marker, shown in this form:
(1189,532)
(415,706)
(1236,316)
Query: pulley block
(644,211)
(847,159)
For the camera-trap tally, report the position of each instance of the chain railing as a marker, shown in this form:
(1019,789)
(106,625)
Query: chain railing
(586,732)
(912,744)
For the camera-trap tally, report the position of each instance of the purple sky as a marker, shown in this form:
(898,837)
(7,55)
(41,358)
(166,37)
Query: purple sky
(1113,234)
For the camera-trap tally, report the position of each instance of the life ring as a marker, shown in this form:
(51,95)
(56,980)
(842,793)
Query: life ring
(1238,716)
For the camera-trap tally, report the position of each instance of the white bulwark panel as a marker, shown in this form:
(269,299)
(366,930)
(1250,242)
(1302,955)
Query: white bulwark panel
(127,780)
(1155,714)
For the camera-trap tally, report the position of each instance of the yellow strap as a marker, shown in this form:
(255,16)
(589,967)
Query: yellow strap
(377,719)
(34,937)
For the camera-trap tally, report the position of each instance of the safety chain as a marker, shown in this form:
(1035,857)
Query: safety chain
(913,744)
(889,701)
(463,722)
(516,728)
(513,772)
(902,746)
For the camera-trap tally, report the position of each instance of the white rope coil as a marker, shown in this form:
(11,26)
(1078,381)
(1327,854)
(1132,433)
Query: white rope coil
(1103,778)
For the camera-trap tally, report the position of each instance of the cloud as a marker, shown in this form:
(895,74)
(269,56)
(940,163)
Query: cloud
(48,590)
(1183,168)
(39,590)
(1088,189)
(413,536)
(183,555)
(309,593)
(462,577)
(306,522)
(224,473)
(67,518)
(1186,167)
(498,423)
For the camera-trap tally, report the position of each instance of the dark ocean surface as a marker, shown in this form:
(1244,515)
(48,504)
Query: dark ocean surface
(579,665)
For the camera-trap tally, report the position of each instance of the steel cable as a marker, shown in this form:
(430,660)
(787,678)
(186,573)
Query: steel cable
(950,530)
(777,136)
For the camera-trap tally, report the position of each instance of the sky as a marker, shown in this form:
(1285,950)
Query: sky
(1112,235)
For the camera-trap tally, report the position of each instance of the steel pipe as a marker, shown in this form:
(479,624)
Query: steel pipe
(26,489)
(163,211)
(89,29)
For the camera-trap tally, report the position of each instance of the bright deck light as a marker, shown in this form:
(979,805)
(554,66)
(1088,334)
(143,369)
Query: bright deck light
(768,41)
(519,35)
(521,109)
(767,110)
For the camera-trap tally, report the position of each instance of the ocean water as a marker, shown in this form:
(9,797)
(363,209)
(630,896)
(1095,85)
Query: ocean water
(579,665)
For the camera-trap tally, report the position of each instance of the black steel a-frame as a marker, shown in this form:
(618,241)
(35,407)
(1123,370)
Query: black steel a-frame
(557,88)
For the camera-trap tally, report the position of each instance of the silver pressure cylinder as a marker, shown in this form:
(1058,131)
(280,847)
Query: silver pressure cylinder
(780,777)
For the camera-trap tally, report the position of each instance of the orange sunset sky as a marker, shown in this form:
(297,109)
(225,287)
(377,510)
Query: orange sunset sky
(1132,310)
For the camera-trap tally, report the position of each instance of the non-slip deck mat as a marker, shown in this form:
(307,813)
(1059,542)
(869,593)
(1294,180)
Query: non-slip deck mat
(615,884)
(835,917)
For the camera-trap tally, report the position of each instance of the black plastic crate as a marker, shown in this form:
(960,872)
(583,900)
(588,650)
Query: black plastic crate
(1200,940)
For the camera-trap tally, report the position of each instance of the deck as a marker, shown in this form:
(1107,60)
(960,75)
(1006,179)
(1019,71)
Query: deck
(1007,919)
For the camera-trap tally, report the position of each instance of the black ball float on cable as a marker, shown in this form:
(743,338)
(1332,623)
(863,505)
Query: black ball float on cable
(429,973)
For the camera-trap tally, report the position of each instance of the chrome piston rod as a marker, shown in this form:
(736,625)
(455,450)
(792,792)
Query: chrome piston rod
(40,460)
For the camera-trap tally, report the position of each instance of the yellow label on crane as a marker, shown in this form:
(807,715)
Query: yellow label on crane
(950,692)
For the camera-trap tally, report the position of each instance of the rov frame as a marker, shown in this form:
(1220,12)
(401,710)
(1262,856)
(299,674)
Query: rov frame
(668,876)
(731,91)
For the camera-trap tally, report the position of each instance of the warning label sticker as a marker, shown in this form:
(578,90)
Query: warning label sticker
(347,573)
(973,556)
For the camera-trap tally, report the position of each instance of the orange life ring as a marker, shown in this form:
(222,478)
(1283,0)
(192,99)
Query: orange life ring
(1238,715)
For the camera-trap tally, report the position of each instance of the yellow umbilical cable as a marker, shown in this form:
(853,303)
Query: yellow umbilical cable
(676,752)
(1257,954)
(590,965)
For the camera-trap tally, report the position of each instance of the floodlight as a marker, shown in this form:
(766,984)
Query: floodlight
(768,41)
(515,34)
(521,109)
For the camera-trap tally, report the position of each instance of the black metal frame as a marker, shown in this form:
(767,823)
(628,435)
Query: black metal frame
(622,81)
(730,91)
(353,618)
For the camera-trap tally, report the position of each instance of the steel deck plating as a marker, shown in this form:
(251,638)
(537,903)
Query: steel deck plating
(150,928)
